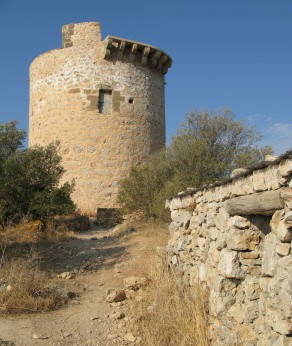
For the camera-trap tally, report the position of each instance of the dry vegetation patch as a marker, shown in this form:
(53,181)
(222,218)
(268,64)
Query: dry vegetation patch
(24,288)
(169,314)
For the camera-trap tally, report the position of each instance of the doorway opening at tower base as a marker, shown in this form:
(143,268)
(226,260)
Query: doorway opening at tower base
(108,217)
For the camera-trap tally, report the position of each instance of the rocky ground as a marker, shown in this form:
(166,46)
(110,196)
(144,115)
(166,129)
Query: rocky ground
(93,266)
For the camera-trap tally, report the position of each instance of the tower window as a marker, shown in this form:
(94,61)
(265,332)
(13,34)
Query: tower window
(131,99)
(105,101)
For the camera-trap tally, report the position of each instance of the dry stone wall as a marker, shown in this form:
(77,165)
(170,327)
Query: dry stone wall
(235,239)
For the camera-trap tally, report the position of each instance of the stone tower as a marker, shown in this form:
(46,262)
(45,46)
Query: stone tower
(103,100)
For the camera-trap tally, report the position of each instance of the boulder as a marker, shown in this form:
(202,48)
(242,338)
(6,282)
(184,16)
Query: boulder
(115,295)
(136,282)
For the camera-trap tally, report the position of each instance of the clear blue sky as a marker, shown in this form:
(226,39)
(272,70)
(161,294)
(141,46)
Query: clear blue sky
(226,53)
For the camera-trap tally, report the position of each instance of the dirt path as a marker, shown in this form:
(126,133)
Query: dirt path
(98,260)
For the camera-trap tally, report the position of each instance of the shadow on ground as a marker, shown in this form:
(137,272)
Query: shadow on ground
(87,251)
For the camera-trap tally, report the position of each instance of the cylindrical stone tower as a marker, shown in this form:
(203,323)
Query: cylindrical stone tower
(104,102)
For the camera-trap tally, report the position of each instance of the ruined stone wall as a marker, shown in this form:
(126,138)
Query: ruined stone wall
(235,239)
(98,149)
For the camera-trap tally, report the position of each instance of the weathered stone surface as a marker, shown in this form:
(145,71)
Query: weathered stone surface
(239,240)
(238,171)
(277,321)
(245,263)
(264,203)
(270,255)
(229,265)
(272,178)
(97,148)
(271,158)
(283,249)
(283,340)
(136,282)
(285,167)
(280,228)
(259,180)
(114,296)
(286,195)
(239,222)
(181,216)
(221,220)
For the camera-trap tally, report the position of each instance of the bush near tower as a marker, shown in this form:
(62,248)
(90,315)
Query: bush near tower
(29,179)
(206,148)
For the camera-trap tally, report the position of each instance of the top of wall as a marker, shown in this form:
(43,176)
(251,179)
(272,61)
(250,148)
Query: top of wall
(87,36)
(244,173)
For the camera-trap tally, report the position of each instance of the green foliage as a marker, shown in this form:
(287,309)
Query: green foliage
(207,147)
(10,140)
(29,179)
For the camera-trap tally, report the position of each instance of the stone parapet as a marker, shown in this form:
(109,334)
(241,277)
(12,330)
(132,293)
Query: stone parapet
(235,239)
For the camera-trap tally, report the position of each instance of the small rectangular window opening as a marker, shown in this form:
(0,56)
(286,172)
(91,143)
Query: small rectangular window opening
(131,99)
(105,101)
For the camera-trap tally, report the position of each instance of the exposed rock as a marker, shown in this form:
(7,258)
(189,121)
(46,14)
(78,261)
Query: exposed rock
(229,265)
(271,158)
(240,240)
(114,296)
(283,249)
(65,275)
(285,168)
(239,222)
(130,337)
(270,255)
(135,282)
(286,195)
(280,228)
(277,321)
(237,172)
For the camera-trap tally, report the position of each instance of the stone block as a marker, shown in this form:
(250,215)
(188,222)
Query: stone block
(239,222)
(286,195)
(241,240)
(213,254)
(272,178)
(283,340)
(221,220)
(229,265)
(282,229)
(259,180)
(242,186)
(173,227)
(176,203)
(276,319)
(221,241)
(283,249)
(285,167)
(181,216)
(270,256)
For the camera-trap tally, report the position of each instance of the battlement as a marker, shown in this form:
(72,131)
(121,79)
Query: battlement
(86,33)
(89,34)
(136,51)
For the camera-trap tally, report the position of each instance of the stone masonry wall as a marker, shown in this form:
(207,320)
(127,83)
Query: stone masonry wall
(98,149)
(235,239)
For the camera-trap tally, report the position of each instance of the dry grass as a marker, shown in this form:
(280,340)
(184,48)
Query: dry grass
(24,288)
(34,232)
(169,313)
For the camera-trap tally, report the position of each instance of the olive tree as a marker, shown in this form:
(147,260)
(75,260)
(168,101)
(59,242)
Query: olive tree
(206,148)
(29,180)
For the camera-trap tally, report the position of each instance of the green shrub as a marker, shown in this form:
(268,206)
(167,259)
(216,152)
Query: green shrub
(29,179)
(207,147)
